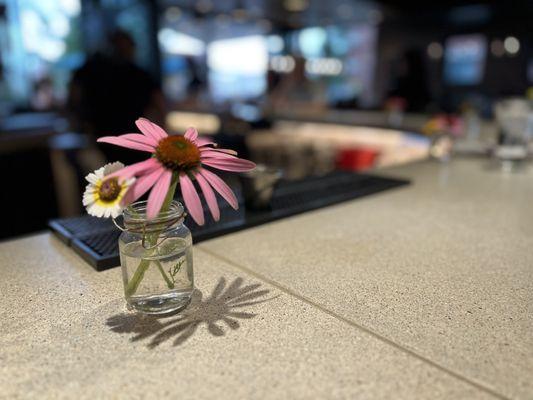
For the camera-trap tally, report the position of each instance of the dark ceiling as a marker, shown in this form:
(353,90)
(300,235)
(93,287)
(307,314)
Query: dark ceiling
(416,14)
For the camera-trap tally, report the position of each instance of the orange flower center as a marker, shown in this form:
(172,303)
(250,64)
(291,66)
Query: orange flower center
(109,190)
(178,153)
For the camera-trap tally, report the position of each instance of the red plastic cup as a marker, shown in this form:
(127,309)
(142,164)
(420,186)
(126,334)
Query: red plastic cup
(356,159)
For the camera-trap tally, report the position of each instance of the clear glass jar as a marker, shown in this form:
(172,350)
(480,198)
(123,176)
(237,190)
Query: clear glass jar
(156,260)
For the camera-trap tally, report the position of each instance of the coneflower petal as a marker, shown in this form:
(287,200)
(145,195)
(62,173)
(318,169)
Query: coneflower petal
(191,134)
(158,194)
(150,129)
(143,139)
(209,195)
(200,142)
(145,166)
(141,186)
(227,151)
(129,144)
(235,165)
(191,199)
(220,186)
(212,153)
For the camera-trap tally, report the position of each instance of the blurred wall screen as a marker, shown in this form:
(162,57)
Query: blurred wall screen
(464,59)
(237,68)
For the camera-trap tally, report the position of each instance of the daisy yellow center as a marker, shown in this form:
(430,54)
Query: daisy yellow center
(109,190)
(178,153)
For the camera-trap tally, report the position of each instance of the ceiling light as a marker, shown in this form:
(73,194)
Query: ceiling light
(296,5)
(239,14)
(283,64)
(511,45)
(435,50)
(496,48)
(172,14)
(204,6)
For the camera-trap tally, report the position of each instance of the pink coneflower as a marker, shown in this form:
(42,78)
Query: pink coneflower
(183,157)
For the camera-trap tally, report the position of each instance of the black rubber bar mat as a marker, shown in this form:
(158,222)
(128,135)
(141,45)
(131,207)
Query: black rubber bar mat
(96,239)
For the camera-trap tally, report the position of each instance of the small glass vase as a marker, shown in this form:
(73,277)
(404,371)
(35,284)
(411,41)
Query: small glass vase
(156,260)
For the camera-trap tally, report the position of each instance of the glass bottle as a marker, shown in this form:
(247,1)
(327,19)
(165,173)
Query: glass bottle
(156,260)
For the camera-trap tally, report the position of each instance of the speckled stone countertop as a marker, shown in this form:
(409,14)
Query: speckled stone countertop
(421,292)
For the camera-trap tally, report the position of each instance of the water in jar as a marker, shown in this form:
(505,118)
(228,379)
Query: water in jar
(160,280)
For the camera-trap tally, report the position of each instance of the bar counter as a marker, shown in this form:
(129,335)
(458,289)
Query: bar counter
(420,292)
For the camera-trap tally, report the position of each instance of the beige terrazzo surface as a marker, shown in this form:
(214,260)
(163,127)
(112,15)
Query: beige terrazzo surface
(443,267)
(420,292)
(65,334)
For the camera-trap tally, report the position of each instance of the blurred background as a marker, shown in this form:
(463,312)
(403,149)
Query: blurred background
(303,86)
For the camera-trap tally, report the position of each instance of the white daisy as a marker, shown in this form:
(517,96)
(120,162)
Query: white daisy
(102,198)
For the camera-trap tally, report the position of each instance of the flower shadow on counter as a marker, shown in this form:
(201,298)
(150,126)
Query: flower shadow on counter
(225,305)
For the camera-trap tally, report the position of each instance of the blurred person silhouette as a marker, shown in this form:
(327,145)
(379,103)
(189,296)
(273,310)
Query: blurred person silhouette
(195,86)
(109,92)
(410,81)
(43,97)
(295,90)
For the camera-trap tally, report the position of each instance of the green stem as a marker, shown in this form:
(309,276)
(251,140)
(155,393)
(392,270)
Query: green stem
(170,284)
(137,277)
